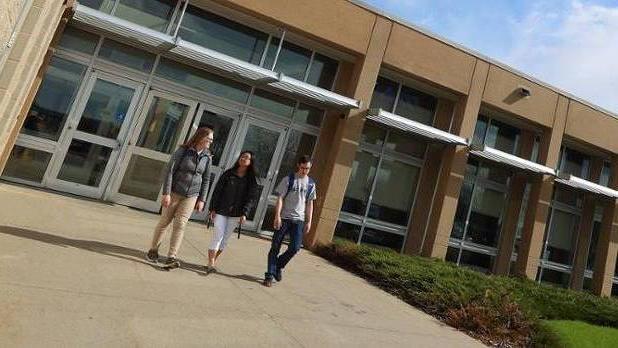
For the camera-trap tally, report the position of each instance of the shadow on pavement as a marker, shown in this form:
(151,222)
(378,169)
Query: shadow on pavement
(107,249)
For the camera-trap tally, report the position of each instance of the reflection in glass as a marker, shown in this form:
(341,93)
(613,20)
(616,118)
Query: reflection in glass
(298,144)
(27,164)
(359,186)
(416,105)
(372,134)
(84,163)
(562,237)
(273,103)
(223,35)
(309,115)
(452,255)
(406,144)
(143,178)
(553,277)
(126,55)
(480,130)
(502,137)
(322,71)
(594,241)
(347,231)
(106,109)
(394,194)
(153,14)
(384,94)
(221,126)
(476,261)
(203,81)
(78,40)
(381,238)
(293,60)
(101,5)
(485,217)
(262,142)
(54,99)
(575,163)
(463,206)
(163,125)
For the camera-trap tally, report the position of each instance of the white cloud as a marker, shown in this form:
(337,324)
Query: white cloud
(575,49)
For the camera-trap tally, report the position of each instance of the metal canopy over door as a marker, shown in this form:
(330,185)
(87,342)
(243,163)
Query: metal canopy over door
(160,129)
(265,140)
(93,135)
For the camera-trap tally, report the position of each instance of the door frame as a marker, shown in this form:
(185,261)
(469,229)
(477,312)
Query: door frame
(70,132)
(112,193)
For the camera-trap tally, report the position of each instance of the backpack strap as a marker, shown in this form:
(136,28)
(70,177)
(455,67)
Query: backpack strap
(310,189)
(290,185)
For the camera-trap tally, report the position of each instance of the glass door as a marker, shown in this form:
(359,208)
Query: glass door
(224,124)
(94,135)
(160,129)
(265,140)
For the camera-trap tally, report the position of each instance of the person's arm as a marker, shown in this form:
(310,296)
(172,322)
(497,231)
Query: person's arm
(169,176)
(250,199)
(281,191)
(216,194)
(308,216)
(205,184)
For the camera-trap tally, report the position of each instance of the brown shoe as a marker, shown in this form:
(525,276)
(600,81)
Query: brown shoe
(268,283)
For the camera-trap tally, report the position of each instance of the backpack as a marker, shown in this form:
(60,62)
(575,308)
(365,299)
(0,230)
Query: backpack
(310,186)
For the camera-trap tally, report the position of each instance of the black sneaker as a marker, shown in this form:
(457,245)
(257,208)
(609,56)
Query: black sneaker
(279,274)
(152,255)
(172,262)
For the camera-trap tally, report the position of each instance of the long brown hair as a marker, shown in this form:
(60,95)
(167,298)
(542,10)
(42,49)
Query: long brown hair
(199,135)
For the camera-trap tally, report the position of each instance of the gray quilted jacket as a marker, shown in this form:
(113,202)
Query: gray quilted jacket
(188,173)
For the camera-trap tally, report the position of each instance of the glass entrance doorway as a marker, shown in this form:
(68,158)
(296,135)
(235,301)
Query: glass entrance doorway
(93,135)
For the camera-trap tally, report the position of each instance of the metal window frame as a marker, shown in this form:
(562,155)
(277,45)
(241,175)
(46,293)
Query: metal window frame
(580,184)
(511,161)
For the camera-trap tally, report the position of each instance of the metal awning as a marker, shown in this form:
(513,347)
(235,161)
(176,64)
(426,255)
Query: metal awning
(509,160)
(108,24)
(208,59)
(414,127)
(585,185)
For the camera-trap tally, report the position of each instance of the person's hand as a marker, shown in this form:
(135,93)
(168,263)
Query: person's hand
(211,215)
(277,223)
(243,219)
(307,227)
(199,206)
(166,200)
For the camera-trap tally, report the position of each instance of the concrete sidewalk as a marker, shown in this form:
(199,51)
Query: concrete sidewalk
(72,274)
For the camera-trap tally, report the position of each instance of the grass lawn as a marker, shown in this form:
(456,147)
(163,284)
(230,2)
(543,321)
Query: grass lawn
(581,335)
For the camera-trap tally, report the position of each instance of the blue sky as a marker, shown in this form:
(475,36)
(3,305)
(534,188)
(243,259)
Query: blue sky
(571,44)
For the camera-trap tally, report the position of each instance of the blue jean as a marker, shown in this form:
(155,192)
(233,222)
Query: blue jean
(276,261)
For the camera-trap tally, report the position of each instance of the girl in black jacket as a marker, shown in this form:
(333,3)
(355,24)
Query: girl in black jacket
(231,202)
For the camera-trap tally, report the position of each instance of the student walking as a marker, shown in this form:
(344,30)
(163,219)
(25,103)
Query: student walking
(293,214)
(231,202)
(184,189)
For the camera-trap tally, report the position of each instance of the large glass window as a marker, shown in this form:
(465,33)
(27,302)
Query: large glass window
(404,101)
(562,237)
(27,164)
(126,55)
(298,144)
(54,99)
(357,192)
(272,103)
(222,35)
(497,135)
(101,5)
(203,81)
(395,188)
(163,124)
(322,71)
(77,40)
(293,60)
(221,126)
(574,162)
(153,14)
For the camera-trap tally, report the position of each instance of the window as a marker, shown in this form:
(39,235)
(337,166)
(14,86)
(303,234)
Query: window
(562,237)
(273,103)
(126,55)
(574,162)
(80,41)
(223,35)
(404,101)
(497,135)
(27,164)
(153,14)
(54,99)
(605,174)
(203,81)
(293,60)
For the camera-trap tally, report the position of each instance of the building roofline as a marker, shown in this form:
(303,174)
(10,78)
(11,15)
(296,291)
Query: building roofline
(479,55)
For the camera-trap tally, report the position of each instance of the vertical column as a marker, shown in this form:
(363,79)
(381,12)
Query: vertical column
(427,183)
(342,148)
(607,247)
(540,196)
(584,233)
(516,196)
(10,124)
(453,170)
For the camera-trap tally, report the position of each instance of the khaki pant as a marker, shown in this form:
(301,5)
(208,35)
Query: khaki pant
(179,211)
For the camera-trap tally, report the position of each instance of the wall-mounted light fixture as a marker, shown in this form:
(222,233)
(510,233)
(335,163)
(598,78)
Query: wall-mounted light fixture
(524,91)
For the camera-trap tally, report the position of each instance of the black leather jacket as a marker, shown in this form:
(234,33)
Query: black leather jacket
(233,195)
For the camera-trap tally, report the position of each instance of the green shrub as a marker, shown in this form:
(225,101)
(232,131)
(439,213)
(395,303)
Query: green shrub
(492,308)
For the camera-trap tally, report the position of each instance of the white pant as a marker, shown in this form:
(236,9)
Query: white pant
(224,227)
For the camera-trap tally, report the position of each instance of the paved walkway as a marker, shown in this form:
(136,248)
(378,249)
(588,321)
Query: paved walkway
(72,274)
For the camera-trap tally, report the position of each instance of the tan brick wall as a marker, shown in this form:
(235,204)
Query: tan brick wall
(23,62)
(9,15)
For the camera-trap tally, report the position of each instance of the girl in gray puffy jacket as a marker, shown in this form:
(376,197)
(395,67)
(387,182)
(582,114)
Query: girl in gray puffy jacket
(184,189)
